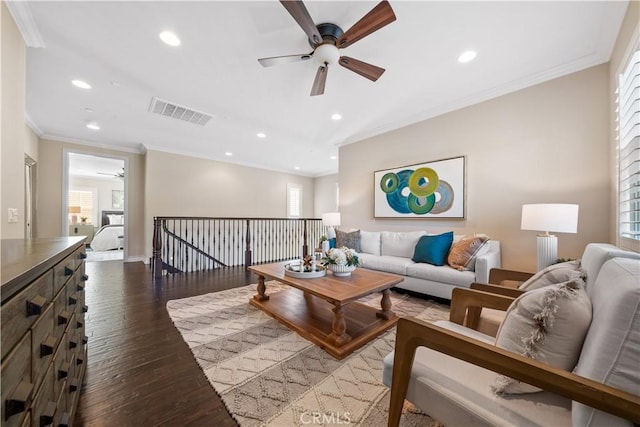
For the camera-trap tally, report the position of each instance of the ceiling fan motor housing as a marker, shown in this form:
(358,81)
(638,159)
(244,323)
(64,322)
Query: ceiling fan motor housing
(330,33)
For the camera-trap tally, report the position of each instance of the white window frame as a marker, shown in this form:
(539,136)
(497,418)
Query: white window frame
(294,207)
(94,201)
(627,133)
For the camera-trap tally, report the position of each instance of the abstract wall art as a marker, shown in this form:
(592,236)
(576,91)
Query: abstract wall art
(426,190)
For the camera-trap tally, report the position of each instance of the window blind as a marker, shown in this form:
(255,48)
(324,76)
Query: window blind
(84,199)
(294,200)
(628,126)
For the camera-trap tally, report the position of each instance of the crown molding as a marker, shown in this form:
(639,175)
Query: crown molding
(34,127)
(122,149)
(23,18)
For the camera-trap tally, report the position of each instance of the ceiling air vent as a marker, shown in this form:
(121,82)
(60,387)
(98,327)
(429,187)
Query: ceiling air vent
(175,111)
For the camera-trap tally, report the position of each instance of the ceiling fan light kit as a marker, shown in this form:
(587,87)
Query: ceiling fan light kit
(326,39)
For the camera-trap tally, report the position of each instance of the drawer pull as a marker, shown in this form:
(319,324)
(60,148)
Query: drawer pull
(72,344)
(85,340)
(46,348)
(46,418)
(63,371)
(85,308)
(79,324)
(80,287)
(84,277)
(73,299)
(83,255)
(73,385)
(79,360)
(68,271)
(63,317)
(18,401)
(34,306)
(64,420)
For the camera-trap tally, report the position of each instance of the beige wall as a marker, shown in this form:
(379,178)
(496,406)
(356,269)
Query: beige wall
(50,196)
(546,143)
(13,132)
(629,32)
(325,194)
(179,185)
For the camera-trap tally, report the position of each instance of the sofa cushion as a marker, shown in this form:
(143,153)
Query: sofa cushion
(610,352)
(401,244)
(462,254)
(370,242)
(433,249)
(444,274)
(547,324)
(555,273)
(349,239)
(389,264)
(596,254)
(458,393)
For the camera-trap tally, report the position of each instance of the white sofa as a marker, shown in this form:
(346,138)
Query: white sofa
(391,252)
(457,393)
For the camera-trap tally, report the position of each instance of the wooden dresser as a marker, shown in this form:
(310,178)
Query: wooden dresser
(43,344)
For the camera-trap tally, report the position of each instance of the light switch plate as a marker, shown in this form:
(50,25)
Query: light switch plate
(12,215)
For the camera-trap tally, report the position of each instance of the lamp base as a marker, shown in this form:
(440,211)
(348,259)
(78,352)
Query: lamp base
(547,251)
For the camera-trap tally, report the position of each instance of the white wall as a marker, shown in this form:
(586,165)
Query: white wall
(325,193)
(547,143)
(179,185)
(14,135)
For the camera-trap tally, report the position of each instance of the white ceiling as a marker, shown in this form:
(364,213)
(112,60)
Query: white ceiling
(115,47)
(96,167)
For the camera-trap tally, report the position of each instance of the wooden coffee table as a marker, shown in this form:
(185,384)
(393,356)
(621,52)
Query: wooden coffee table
(324,310)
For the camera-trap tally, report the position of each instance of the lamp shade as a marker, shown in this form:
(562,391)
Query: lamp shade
(74,209)
(556,217)
(331,219)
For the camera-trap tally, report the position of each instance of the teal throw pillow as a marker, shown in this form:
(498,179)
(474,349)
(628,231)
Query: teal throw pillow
(433,249)
(332,243)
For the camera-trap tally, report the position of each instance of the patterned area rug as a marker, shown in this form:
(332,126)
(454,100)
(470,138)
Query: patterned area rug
(268,375)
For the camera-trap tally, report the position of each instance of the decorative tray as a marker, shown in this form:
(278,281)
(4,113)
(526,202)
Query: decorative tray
(293,270)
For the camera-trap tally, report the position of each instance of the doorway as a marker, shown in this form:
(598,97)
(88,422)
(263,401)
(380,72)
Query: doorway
(95,195)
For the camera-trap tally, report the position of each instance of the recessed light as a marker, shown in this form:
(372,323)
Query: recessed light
(297,168)
(336,116)
(93,126)
(228,153)
(333,157)
(170,38)
(261,135)
(88,110)
(467,56)
(81,84)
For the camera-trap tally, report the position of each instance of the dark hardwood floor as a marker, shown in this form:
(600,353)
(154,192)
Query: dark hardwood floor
(140,372)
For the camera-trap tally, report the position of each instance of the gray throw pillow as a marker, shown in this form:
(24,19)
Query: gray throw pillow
(350,240)
(555,273)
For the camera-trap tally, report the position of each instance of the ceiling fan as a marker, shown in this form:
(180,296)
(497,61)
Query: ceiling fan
(114,175)
(326,40)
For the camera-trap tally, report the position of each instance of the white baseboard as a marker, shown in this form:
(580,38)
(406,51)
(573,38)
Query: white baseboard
(137,259)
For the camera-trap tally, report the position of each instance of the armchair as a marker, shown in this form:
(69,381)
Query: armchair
(446,369)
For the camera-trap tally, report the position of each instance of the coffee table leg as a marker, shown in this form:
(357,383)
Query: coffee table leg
(261,296)
(385,303)
(339,327)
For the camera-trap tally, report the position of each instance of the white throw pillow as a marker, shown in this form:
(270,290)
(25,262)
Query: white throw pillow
(547,324)
(370,242)
(555,273)
(402,244)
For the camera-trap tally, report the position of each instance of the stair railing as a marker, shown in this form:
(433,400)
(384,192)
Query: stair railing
(188,244)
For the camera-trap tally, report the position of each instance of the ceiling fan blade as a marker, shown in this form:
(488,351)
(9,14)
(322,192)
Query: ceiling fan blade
(377,18)
(275,60)
(298,10)
(320,80)
(369,71)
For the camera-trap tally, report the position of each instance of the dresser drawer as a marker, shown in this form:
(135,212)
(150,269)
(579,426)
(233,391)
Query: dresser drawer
(43,345)
(17,387)
(62,272)
(79,256)
(44,404)
(61,366)
(20,312)
(62,314)
(61,418)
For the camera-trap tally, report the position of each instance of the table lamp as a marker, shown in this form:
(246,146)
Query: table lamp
(331,220)
(546,217)
(74,210)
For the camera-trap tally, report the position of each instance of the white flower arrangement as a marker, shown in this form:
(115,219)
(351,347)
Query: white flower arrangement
(342,256)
